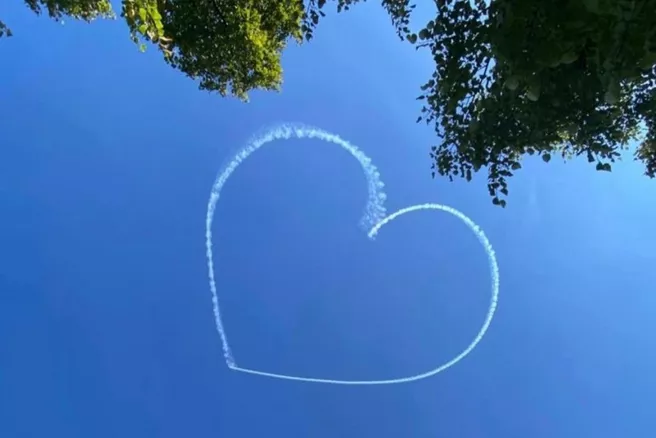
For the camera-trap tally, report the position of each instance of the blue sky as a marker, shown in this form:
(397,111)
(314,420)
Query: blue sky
(106,328)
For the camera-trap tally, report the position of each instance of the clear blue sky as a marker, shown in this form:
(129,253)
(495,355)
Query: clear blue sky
(107,157)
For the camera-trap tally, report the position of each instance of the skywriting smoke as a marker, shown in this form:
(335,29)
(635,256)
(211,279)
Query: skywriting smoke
(373,220)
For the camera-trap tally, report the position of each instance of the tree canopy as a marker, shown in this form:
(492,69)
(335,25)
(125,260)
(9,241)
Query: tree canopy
(512,77)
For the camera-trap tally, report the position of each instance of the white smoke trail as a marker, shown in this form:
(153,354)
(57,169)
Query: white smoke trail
(494,274)
(374,210)
(374,216)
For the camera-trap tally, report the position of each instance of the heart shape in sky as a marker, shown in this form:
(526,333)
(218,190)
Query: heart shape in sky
(373,220)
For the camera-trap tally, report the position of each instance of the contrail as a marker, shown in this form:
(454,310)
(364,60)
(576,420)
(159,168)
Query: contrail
(374,217)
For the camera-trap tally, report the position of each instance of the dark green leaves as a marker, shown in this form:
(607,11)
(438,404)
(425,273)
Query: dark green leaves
(232,47)
(86,10)
(569,57)
(512,83)
(592,5)
(534,88)
(499,202)
(604,167)
(4,30)
(540,77)
(563,78)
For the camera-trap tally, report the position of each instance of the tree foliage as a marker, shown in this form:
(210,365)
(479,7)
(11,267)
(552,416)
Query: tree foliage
(512,77)
(558,77)
(229,46)
(234,46)
(79,9)
(4,30)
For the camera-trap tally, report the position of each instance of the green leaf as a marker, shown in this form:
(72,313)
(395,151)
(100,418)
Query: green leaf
(412,38)
(473,126)
(533,92)
(592,5)
(612,95)
(546,157)
(516,166)
(512,83)
(569,57)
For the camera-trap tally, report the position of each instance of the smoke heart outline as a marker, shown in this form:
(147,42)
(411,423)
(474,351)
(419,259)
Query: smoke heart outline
(373,220)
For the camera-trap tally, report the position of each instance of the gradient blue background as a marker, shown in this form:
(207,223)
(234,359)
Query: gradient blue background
(107,157)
